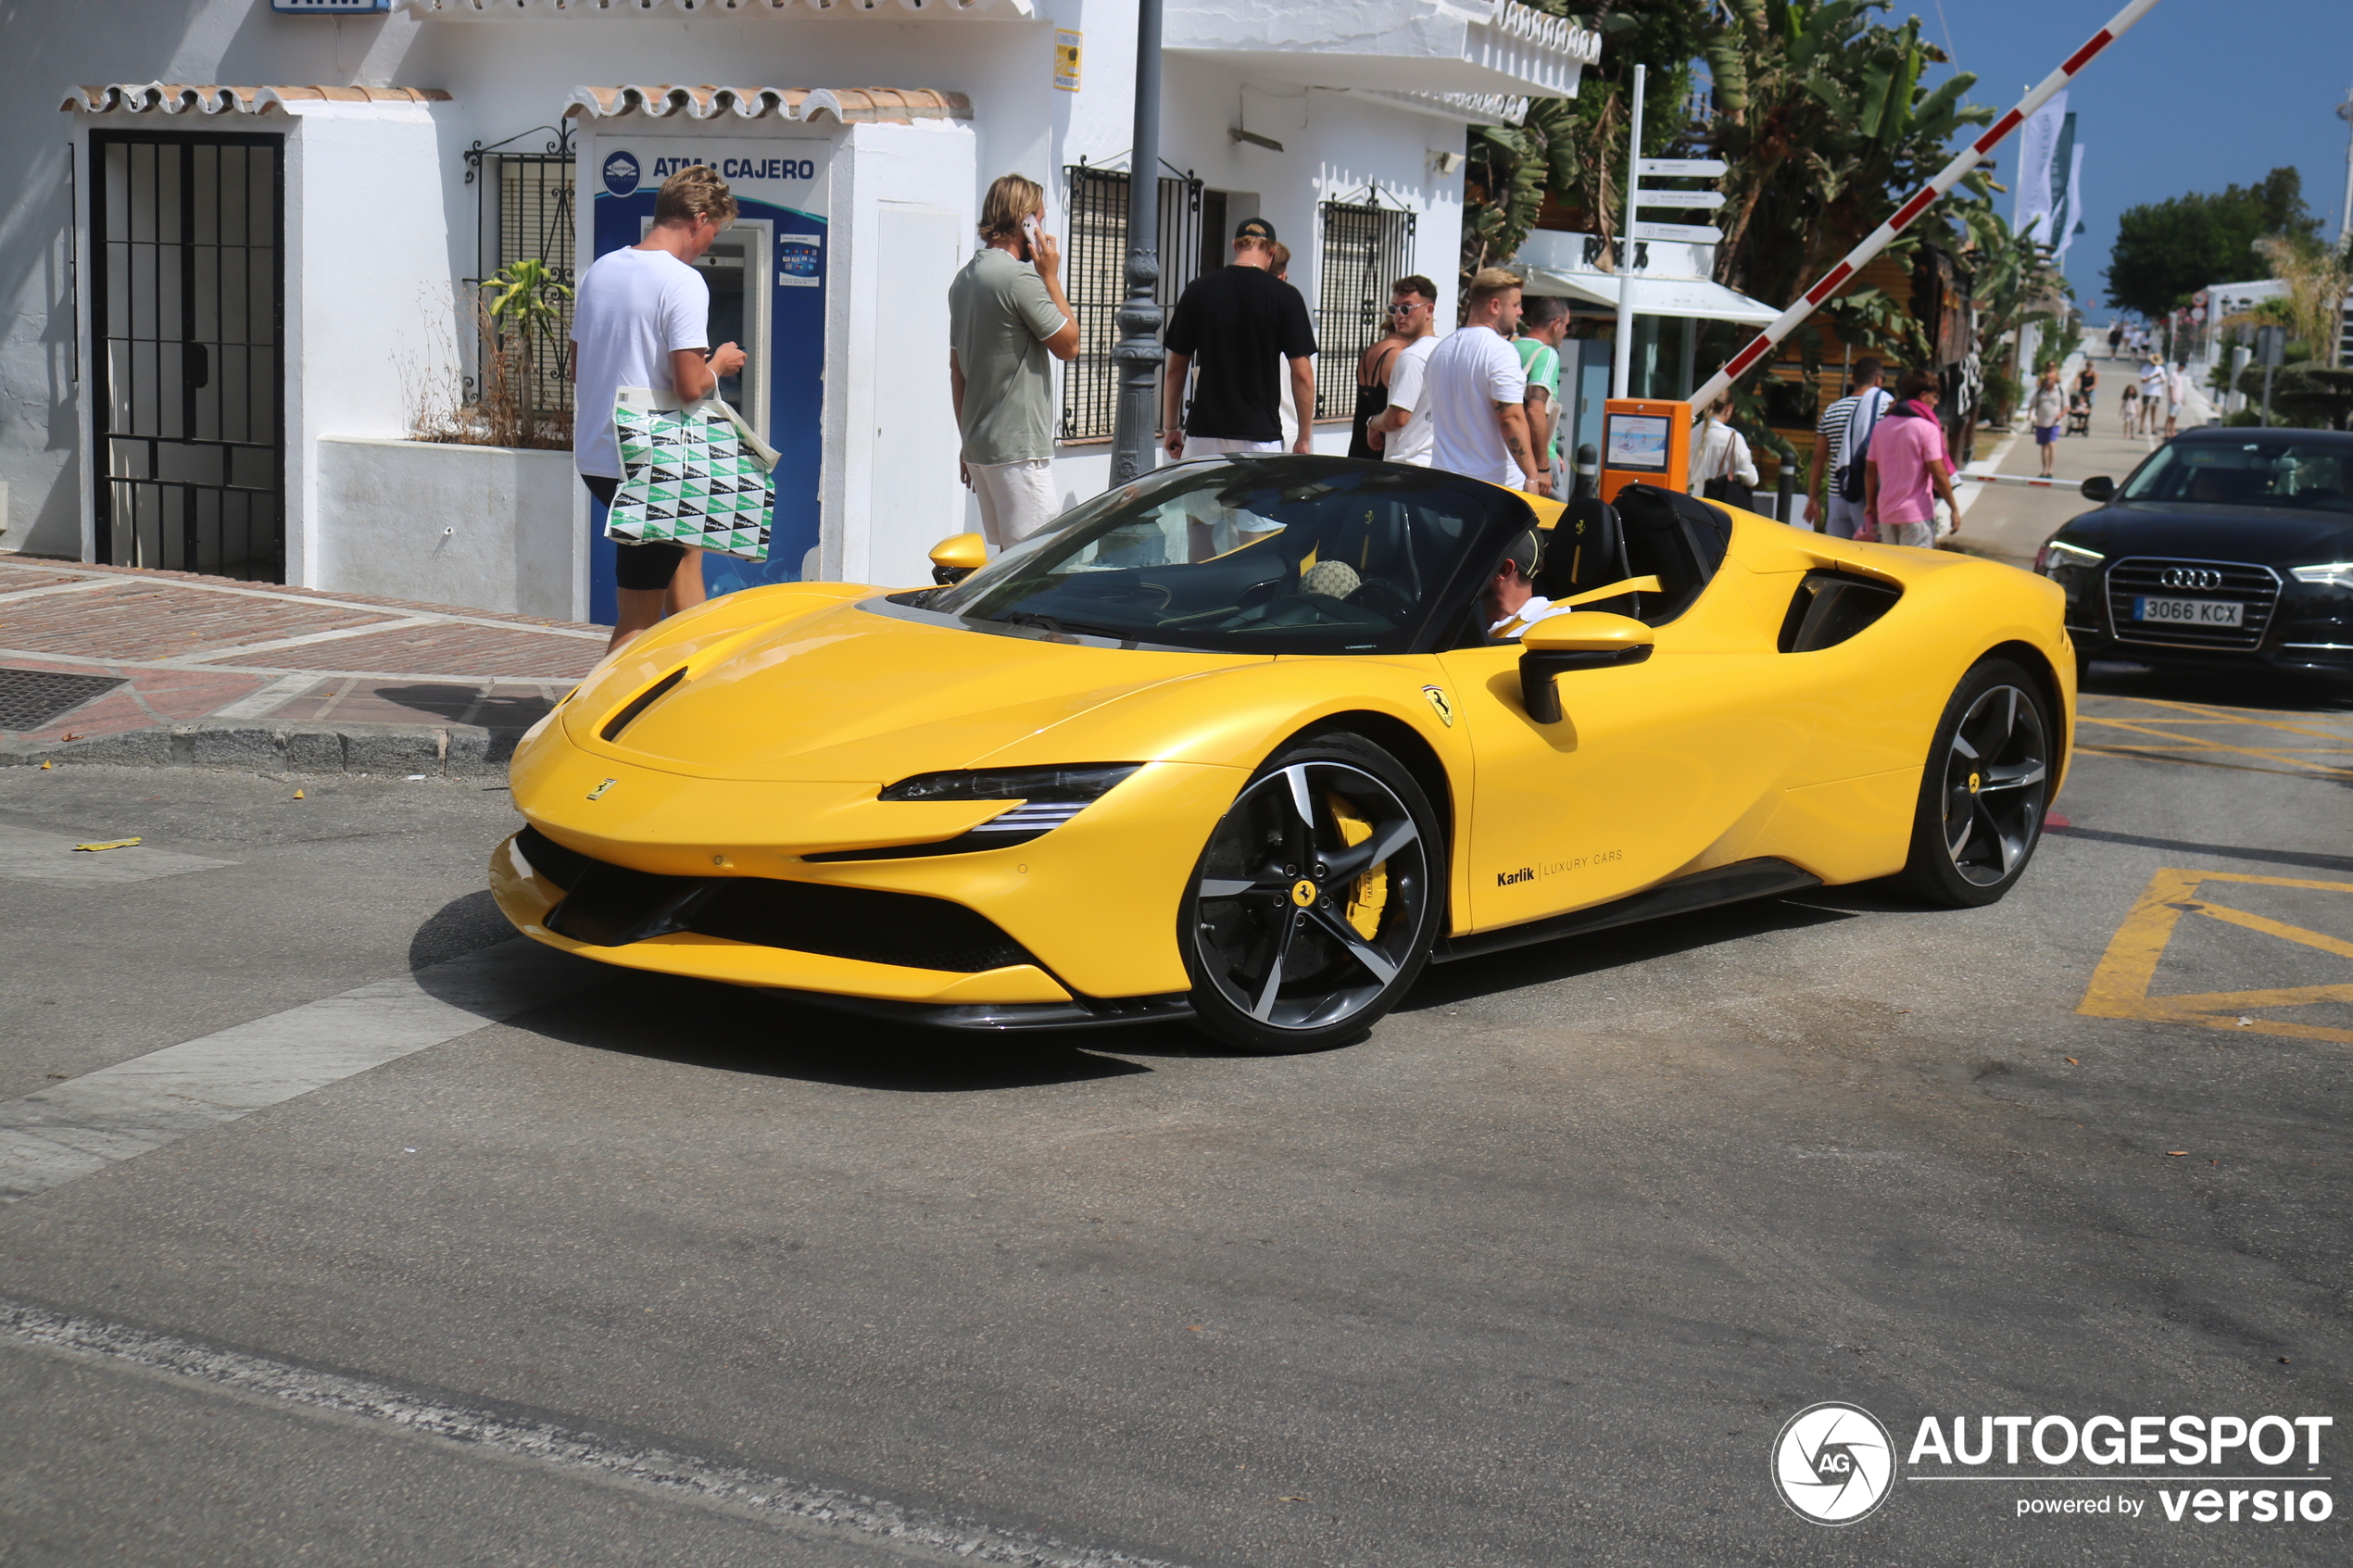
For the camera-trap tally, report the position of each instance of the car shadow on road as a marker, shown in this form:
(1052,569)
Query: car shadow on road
(1571,957)
(2269,690)
(770,1034)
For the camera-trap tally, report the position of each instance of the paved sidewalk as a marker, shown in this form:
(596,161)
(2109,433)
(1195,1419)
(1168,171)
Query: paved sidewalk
(2010,522)
(209,670)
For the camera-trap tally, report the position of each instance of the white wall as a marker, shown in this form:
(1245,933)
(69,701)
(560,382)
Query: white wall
(903,195)
(368,245)
(485,527)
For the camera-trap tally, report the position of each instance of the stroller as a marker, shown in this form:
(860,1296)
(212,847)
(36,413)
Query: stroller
(2078,415)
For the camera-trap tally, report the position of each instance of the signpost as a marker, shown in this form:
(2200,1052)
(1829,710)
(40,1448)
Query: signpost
(1637,228)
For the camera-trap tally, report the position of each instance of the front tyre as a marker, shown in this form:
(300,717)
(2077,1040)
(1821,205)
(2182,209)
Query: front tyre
(1316,902)
(1984,791)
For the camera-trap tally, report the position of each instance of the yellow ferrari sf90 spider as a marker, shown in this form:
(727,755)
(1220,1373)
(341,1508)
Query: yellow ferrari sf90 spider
(1251,742)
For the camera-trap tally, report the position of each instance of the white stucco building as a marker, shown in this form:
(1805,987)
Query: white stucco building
(246,249)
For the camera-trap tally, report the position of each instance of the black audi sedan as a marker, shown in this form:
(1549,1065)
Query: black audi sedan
(2225,546)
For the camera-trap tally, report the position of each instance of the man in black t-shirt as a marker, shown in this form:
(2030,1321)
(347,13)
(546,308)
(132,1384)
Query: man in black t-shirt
(1234,324)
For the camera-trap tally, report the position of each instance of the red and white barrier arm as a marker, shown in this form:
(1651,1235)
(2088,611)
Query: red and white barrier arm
(1965,477)
(1924,198)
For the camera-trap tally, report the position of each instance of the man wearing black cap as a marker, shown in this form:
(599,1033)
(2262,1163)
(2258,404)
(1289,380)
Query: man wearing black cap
(1233,325)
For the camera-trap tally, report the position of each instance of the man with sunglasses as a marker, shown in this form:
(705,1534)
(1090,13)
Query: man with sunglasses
(1400,431)
(1408,318)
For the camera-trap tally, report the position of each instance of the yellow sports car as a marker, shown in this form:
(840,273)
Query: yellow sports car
(1250,742)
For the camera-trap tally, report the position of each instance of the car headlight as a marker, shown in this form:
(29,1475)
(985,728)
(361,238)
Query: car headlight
(1049,797)
(2055,555)
(2329,574)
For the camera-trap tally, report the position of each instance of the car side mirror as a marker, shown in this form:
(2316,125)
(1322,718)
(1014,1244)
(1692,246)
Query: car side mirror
(1585,639)
(958,556)
(2099,487)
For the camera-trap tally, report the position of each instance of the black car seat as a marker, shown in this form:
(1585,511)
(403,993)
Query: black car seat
(1678,538)
(1587,549)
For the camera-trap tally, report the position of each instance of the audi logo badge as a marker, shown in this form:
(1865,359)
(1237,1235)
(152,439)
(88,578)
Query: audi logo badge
(2192,577)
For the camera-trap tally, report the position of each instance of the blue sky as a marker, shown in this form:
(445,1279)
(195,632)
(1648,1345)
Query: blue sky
(2201,94)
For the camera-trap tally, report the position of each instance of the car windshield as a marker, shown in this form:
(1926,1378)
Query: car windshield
(2266,470)
(1265,555)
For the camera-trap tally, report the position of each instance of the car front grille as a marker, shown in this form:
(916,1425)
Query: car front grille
(2256,587)
(608,906)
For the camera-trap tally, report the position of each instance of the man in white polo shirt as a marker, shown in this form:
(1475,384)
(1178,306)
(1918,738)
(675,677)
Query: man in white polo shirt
(1478,422)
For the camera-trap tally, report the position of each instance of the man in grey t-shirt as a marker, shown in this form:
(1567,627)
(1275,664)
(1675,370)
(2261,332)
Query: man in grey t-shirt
(1006,313)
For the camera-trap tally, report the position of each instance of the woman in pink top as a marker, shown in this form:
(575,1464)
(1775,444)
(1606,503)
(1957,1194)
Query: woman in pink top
(1906,468)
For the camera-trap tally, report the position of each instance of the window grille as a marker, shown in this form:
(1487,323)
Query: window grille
(1365,249)
(525,214)
(1094,280)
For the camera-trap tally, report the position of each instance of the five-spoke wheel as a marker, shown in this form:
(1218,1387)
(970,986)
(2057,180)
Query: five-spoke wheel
(1988,781)
(1316,900)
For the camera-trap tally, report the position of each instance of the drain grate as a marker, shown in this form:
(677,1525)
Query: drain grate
(31,699)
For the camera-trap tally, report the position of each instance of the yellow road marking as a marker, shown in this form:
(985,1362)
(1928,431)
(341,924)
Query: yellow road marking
(2196,742)
(2153,754)
(2209,715)
(2119,987)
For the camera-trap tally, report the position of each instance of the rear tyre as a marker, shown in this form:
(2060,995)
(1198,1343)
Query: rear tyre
(1316,902)
(1983,792)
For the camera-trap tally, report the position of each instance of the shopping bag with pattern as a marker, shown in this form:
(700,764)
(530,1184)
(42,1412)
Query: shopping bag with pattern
(692,473)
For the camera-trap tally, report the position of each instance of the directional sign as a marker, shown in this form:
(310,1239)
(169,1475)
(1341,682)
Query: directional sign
(1696,168)
(1678,198)
(1689,233)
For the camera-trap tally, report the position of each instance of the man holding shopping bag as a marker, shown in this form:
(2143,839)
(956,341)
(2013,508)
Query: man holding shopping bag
(642,317)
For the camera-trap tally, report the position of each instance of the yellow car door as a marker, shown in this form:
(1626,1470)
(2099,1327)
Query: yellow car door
(1649,765)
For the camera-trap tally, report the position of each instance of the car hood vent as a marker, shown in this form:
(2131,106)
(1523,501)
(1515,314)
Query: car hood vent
(638,704)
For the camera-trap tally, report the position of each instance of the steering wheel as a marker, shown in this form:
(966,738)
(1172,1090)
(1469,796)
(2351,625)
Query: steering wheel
(1383,597)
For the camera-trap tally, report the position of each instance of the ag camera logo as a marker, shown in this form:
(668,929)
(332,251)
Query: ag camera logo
(1835,1463)
(620,174)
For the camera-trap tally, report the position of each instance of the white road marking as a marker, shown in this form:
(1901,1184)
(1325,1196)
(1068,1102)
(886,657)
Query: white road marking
(13,595)
(39,857)
(269,698)
(84,1124)
(772,1497)
(309,639)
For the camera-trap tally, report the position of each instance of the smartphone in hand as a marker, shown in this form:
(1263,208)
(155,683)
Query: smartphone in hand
(1029,233)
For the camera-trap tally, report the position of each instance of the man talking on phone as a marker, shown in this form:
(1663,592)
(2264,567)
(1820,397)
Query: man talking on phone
(1006,313)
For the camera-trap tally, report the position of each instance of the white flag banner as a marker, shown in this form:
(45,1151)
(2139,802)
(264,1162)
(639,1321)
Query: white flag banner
(2031,194)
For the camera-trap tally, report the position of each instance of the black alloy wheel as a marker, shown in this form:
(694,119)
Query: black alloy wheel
(1985,789)
(1316,902)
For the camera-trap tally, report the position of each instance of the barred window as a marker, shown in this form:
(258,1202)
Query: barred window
(1365,249)
(533,222)
(1094,279)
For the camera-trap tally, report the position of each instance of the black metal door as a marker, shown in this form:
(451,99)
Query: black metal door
(187,261)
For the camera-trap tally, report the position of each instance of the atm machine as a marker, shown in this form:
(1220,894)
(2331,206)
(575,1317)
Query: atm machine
(767,275)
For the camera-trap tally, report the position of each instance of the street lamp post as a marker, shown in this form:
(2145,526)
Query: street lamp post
(1137,354)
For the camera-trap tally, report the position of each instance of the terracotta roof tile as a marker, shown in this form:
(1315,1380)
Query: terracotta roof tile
(178,97)
(851,105)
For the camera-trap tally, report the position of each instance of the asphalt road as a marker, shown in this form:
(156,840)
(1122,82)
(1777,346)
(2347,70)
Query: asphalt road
(655,1272)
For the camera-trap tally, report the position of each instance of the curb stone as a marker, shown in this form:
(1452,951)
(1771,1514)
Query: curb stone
(442,750)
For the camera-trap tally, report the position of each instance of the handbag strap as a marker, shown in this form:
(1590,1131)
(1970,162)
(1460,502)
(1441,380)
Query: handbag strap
(1854,453)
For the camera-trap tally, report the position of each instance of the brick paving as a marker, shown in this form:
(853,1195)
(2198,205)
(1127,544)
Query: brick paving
(190,647)
(140,620)
(449,649)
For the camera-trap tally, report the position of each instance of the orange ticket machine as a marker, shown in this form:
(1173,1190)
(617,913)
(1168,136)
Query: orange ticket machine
(1645,441)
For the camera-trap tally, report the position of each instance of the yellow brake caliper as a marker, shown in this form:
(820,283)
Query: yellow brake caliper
(1368,895)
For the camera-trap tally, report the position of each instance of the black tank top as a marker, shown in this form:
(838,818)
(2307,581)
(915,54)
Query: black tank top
(1371,401)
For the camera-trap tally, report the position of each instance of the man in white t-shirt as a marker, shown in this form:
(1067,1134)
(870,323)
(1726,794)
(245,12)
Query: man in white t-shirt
(1478,417)
(641,317)
(1404,425)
